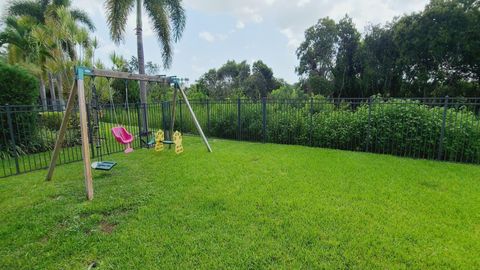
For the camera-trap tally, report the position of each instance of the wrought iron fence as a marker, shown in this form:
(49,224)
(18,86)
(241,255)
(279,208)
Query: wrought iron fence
(427,128)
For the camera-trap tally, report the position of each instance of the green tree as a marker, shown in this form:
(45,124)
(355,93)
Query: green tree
(346,66)
(317,53)
(287,91)
(378,58)
(261,82)
(434,52)
(53,29)
(40,10)
(439,48)
(23,49)
(229,80)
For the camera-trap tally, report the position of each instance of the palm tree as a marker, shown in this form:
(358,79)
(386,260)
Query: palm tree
(168,18)
(24,49)
(40,12)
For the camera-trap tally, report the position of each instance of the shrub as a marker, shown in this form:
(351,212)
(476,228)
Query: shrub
(45,139)
(223,124)
(398,127)
(53,120)
(17,86)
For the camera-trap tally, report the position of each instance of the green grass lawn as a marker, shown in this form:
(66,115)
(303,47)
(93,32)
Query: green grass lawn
(245,205)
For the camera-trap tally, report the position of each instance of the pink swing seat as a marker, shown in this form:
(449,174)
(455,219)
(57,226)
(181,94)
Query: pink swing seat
(124,137)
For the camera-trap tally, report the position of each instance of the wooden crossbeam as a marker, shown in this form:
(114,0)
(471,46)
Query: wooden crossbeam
(127,76)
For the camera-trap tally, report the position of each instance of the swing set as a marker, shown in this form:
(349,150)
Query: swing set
(120,133)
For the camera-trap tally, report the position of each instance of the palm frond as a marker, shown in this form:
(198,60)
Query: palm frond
(63,3)
(177,17)
(44,4)
(117,13)
(159,16)
(16,32)
(27,8)
(82,16)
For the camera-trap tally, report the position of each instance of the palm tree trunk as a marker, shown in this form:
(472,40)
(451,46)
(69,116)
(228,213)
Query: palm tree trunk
(141,66)
(52,91)
(61,102)
(43,94)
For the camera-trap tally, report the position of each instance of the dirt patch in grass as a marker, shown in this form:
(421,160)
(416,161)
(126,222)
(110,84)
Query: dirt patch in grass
(107,227)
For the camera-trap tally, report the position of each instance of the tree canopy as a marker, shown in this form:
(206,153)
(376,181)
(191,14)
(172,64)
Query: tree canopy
(434,52)
(239,80)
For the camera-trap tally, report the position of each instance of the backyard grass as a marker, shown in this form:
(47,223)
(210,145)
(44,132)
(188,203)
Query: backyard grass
(245,205)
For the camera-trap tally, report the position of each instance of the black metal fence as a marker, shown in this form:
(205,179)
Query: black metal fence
(436,128)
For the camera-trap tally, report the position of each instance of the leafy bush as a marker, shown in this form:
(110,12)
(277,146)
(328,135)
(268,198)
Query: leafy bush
(45,139)
(224,123)
(17,86)
(53,120)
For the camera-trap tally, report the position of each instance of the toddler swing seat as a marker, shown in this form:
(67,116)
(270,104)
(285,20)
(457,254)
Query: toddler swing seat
(124,137)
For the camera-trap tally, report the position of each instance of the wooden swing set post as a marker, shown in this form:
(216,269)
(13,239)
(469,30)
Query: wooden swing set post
(82,108)
(78,85)
(174,106)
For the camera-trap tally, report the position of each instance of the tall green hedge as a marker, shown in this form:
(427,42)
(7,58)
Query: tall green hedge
(398,127)
(17,87)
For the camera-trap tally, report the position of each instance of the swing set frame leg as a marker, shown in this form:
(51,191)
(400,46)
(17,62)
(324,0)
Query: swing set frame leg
(61,133)
(77,88)
(194,117)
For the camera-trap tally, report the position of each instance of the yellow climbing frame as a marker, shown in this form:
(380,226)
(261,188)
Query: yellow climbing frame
(177,140)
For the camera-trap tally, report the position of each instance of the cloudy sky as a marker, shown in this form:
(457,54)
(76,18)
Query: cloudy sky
(221,30)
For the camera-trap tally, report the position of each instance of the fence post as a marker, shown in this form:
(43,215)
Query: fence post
(145,117)
(239,123)
(12,137)
(311,122)
(208,116)
(264,119)
(139,122)
(90,130)
(442,133)
(164,125)
(369,126)
(181,115)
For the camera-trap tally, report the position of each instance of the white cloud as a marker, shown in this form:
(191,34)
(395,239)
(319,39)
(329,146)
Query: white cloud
(251,14)
(291,18)
(293,41)
(240,25)
(302,3)
(207,36)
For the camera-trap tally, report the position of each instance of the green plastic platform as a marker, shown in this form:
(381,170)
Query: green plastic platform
(103,165)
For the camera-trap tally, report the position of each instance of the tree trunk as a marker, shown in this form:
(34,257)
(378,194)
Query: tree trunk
(61,102)
(141,66)
(43,94)
(52,91)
